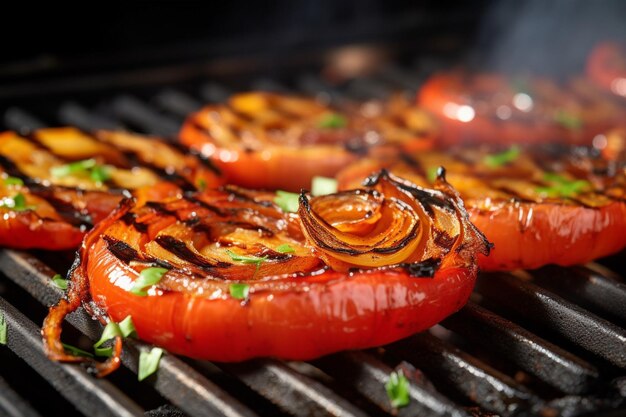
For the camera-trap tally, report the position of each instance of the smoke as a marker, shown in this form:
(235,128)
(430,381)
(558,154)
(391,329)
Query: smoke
(545,37)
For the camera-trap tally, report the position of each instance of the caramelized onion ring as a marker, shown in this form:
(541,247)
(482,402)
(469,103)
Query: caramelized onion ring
(392,222)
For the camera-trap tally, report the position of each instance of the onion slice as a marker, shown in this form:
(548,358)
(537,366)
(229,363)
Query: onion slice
(391,222)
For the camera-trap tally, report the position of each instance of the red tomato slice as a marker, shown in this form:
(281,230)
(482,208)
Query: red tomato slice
(606,67)
(294,306)
(535,208)
(272,141)
(493,109)
(71,180)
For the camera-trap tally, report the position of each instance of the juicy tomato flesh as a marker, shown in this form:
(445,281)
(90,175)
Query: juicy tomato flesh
(328,312)
(488,108)
(514,205)
(271,141)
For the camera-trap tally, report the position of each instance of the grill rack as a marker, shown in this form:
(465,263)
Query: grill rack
(550,342)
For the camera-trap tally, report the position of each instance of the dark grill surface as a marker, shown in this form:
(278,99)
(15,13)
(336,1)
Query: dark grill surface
(549,342)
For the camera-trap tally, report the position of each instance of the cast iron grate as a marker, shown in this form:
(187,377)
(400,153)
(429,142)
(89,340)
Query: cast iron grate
(548,342)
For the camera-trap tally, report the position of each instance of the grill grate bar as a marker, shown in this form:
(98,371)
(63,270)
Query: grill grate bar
(368,376)
(475,380)
(293,392)
(548,310)
(550,363)
(11,404)
(134,111)
(177,102)
(586,287)
(176,381)
(76,115)
(94,397)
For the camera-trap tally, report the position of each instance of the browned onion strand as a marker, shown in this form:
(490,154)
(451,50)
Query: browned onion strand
(402,223)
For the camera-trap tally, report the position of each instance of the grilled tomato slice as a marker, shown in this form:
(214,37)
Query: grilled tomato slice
(488,108)
(272,141)
(606,67)
(548,205)
(56,183)
(240,278)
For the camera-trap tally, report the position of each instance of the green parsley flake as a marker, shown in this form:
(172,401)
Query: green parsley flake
(332,121)
(288,202)
(125,328)
(15,203)
(59,281)
(254,260)
(3,330)
(147,278)
(13,181)
(97,173)
(148,363)
(431,174)
(323,186)
(563,187)
(503,158)
(398,389)
(568,120)
(73,350)
(239,291)
(201,184)
(285,248)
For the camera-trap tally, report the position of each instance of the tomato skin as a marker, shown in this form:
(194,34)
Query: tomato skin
(275,167)
(335,312)
(441,91)
(532,235)
(26,230)
(606,65)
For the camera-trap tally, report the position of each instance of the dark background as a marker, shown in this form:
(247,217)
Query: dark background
(554,37)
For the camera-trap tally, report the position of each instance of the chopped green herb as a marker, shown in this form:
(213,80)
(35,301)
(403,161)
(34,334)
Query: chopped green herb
(73,168)
(288,202)
(499,159)
(563,187)
(13,181)
(147,278)
(148,363)
(239,291)
(3,330)
(332,121)
(568,120)
(285,248)
(398,389)
(76,351)
(255,260)
(15,203)
(323,186)
(201,184)
(431,174)
(100,174)
(125,328)
(97,173)
(59,281)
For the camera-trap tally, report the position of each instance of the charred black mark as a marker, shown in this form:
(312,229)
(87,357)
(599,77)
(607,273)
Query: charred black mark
(181,250)
(120,250)
(160,208)
(242,196)
(443,239)
(206,162)
(11,169)
(424,269)
(220,212)
(131,220)
(66,210)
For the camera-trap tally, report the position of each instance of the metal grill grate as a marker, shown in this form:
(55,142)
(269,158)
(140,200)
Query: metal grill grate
(551,343)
